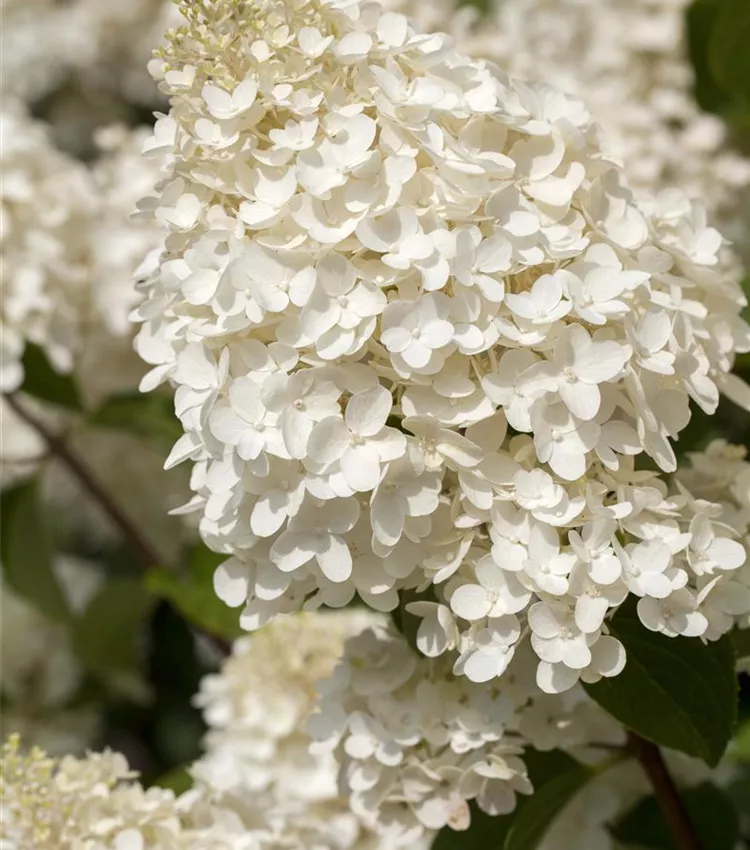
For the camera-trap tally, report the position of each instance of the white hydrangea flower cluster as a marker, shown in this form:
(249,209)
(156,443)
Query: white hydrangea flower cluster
(381,255)
(96,803)
(258,763)
(69,251)
(256,707)
(721,475)
(121,242)
(629,60)
(69,254)
(87,803)
(415,743)
(47,203)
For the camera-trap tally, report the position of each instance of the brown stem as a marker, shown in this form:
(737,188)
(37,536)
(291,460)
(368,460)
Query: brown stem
(147,555)
(667,795)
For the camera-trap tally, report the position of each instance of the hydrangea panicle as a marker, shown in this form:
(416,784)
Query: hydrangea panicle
(382,257)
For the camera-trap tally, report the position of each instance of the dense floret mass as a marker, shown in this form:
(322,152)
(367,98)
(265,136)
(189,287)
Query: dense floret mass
(415,743)
(89,803)
(258,762)
(420,331)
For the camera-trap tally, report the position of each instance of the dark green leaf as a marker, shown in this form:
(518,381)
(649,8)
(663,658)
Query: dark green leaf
(107,636)
(745,284)
(697,434)
(151,417)
(26,551)
(700,19)
(740,750)
(741,642)
(43,382)
(728,53)
(717,31)
(711,812)
(738,789)
(676,692)
(561,781)
(556,778)
(177,780)
(193,594)
(484,833)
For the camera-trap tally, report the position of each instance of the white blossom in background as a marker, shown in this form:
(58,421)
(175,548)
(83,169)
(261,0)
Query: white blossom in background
(637,52)
(630,63)
(121,248)
(91,802)
(257,762)
(721,475)
(415,744)
(48,202)
(102,48)
(82,64)
(40,673)
(257,705)
(367,279)
(125,36)
(121,242)
(97,803)
(71,251)
(40,40)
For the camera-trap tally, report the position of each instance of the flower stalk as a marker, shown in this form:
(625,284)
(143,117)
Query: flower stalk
(147,555)
(667,794)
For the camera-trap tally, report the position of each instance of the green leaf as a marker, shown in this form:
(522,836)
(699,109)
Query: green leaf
(741,643)
(556,778)
(700,19)
(728,54)
(740,749)
(484,833)
(26,551)
(697,434)
(717,31)
(43,382)
(711,812)
(177,780)
(675,692)
(151,417)
(107,636)
(738,789)
(193,594)
(562,782)
(745,284)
